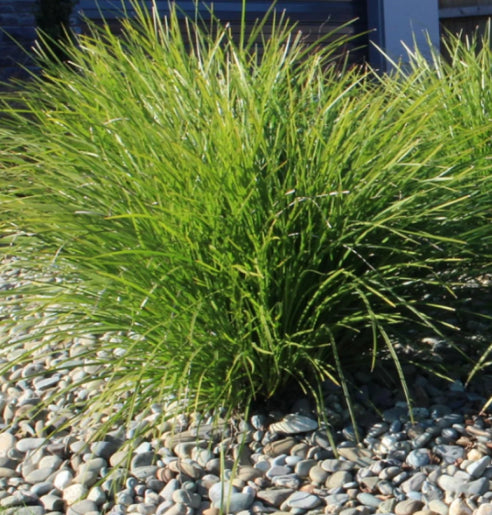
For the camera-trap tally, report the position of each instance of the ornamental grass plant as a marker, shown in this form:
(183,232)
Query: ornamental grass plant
(459,80)
(226,219)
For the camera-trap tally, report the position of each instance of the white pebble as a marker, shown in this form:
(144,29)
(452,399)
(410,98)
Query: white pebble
(484,509)
(63,479)
(97,495)
(459,507)
(74,493)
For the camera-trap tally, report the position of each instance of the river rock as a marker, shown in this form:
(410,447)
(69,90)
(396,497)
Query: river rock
(73,493)
(369,500)
(451,484)
(449,453)
(332,465)
(235,502)
(293,424)
(484,509)
(274,496)
(190,499)
(63,479)
(477,468)
(408,507)
(477,487)
(83,508)
(459,507)
(279,446)
(418,458)
(303,501)
(38,475)
(317,475)
(7,442)
(29,444)
(359,456)
(338,479)
(26,510)
(221,490)
(336,500)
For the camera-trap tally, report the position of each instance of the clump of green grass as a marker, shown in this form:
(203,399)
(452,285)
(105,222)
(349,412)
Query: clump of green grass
(458,82)
(239,220)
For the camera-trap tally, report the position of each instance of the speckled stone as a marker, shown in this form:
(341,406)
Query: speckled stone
(7,442)
(74,493)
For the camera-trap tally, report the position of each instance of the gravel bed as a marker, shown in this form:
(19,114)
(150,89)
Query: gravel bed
(275,461)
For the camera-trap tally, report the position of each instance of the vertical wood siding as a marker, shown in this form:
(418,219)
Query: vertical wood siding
(313,18)
(464,16)
(463,3)
(16,37)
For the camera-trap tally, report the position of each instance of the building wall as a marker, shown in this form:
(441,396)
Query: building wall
(465,17)
(17,22)
(314,18)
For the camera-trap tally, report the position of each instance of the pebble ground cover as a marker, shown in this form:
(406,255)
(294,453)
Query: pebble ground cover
(222,224)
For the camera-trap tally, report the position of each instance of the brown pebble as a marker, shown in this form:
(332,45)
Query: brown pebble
(464,441)
(408,507)
(308,488)
(279,446)
(242,455)
(475,431)
(300,449)
(474,455)
(426,512)
(261,482)
(173,466)
(190,468)
(164,474)
(238,483)
(211,511)
(248,473)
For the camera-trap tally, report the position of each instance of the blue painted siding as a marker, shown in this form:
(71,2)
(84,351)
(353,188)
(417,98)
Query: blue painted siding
(314,18)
